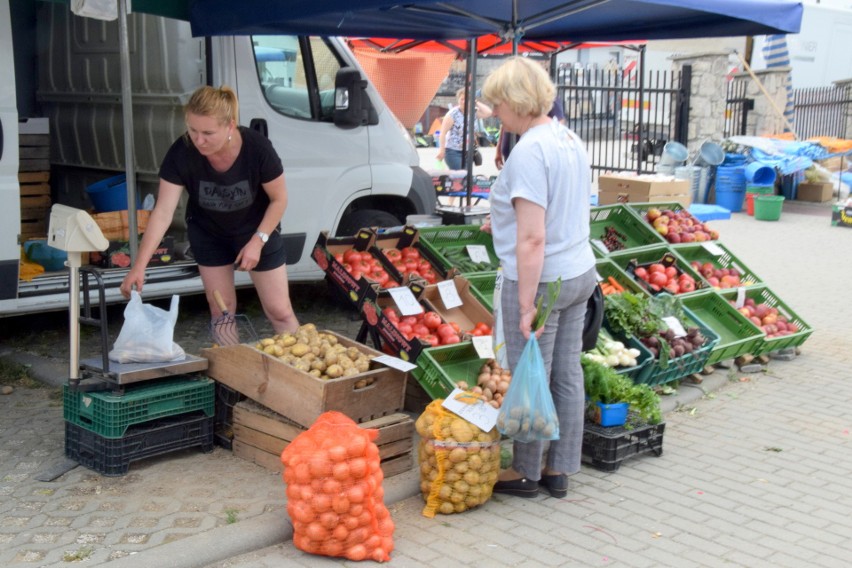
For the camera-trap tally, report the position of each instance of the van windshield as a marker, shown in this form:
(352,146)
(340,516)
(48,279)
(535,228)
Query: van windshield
(297,76)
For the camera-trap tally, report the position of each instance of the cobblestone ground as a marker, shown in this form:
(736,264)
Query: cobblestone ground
(83,515)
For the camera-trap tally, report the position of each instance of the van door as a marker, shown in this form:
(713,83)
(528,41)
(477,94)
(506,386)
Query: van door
(285,84)
(10,207)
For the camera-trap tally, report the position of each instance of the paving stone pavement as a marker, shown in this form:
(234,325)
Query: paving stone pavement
(753,474)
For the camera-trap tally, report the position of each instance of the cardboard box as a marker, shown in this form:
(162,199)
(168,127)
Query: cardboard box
(117,254)
(260,435)
(841,216)
(301,397)
(642,189)
(819,192)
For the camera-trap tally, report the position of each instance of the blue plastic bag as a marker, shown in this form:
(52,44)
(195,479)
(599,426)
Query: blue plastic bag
(528,413)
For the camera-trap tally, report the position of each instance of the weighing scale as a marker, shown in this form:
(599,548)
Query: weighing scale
(74,231)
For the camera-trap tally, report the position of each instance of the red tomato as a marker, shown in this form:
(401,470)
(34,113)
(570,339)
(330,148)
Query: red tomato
(476,332)
(656,267)
(483,327)
(446,330)
(450,339)
(658,278)
(391,313)
(672,287)
(431,339)
(432,320)
(405,329)
(352,256)
(356,273)
(411,265)
(429,276)
(380,275)
(393,254)
(339,258)
(671,271)
(408,320)
(410,252)
(456,327)
(641,272)
(420,330)
(424,265)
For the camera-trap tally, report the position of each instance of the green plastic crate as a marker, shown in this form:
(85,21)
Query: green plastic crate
(109,415)
(482,287)
(737,335)
(450,240)
(679,367)
(440,368)
(646,255)
(637,233)
(765,294)
(697,252)
(606,268)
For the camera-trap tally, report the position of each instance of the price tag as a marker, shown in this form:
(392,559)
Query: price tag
(449,294)
(472,408)
(395,363)
(712,248)
(600,246)
(675,325)
(478,253)
(484,346)
(741,297)
(404,299)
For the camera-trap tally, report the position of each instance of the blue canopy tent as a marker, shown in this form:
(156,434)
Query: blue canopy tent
(512,20)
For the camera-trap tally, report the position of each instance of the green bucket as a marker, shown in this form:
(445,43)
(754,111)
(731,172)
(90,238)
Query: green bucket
(768,207)
(763,189)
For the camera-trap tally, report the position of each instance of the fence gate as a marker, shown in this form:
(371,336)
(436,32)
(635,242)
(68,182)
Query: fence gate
(821,111)
(737,106)
(624,116)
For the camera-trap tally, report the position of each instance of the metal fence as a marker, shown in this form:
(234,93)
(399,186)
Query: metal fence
(737,106)
(625,117)
(822,111)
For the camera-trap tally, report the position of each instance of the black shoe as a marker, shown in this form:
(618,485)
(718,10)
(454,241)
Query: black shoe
(522,487)
(556,485)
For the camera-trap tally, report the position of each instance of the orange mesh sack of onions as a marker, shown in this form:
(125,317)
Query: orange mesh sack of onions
(459,462)
(335,497)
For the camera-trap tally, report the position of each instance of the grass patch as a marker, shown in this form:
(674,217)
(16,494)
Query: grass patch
(78,555)
(231,516)
(16,375)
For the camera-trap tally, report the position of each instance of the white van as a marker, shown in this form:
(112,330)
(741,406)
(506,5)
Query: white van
(344,169)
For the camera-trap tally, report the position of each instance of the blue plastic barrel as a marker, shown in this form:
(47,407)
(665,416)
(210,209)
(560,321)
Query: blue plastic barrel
(758,173)
(730,187)
(110,194)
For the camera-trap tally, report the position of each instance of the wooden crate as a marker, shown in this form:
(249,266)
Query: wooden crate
(260,436)
(35,204)
(302,397)
(33,152)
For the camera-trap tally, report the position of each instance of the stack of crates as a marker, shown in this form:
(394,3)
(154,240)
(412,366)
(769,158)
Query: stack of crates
(105,431)
(34,177)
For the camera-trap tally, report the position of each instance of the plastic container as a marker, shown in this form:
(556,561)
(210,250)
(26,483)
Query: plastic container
(768,207)
(606,448)
(440,368)
(697,252)
(758,173)
(111,457)
(447,244)
(609,414)
(38,251)
(730,187)
(732,159)
(737,335)
(110,194)
(482,286)
(632,230)
(763,294)
(110,415)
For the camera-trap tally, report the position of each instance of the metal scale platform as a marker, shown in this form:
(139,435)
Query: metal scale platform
(74,231)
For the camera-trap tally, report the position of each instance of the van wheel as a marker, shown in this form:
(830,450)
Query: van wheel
(365,218)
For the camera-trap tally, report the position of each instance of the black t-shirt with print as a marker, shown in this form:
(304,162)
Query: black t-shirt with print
(224,204)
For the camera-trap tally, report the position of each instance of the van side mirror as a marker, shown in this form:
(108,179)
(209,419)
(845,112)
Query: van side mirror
(352,105)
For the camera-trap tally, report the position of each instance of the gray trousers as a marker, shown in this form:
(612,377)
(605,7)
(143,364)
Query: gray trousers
(560,345)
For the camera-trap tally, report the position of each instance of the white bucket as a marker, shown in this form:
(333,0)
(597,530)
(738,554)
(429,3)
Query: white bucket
(674,154)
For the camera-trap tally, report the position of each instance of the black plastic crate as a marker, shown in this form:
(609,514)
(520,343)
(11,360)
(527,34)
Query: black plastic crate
(226,399)
(606,447)
(112,456)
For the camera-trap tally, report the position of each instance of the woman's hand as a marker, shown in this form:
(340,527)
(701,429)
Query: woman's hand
(527,317)
(135,278)
(440,155)
(486,225)
(249,256)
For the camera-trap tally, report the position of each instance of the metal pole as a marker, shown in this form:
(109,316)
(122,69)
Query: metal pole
(641,118)
(74,263)
(127,122)
(470,113)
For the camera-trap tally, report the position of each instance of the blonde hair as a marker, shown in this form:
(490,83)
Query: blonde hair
(523,85)
(218,103)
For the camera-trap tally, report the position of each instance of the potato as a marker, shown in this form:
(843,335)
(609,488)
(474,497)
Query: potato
(334,371)
(299,349)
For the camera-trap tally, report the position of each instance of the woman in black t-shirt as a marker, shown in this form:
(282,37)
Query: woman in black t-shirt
(237,197)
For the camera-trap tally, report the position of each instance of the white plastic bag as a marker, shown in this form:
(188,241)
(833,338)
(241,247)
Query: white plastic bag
(147,335)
